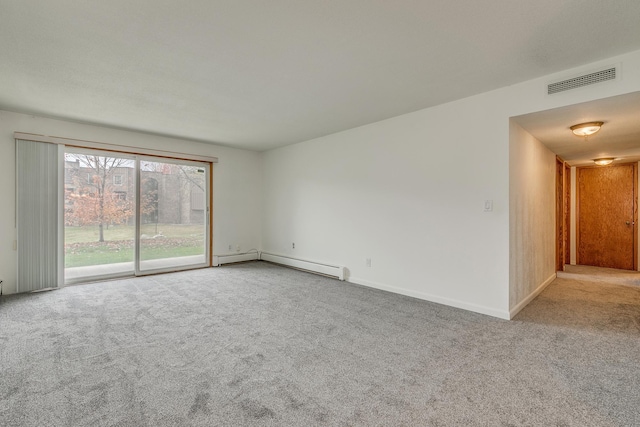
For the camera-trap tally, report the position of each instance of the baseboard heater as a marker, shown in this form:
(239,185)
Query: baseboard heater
(328,270)
(218,260)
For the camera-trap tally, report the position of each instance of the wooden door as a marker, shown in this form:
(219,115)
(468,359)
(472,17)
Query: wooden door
(566,204)
(607,216)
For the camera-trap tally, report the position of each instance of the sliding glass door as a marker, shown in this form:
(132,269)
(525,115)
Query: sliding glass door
(99,215)
(173,214)
(126,215)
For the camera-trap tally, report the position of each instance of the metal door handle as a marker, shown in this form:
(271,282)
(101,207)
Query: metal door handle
(629,223)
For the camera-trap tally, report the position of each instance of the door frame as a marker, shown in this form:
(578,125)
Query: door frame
(563,210)
(566,204)
(136,158)
(635,209)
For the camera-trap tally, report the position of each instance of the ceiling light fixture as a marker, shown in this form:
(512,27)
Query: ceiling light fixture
(604,161)
(586,129)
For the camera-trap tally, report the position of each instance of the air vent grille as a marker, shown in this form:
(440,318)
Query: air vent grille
(587,79)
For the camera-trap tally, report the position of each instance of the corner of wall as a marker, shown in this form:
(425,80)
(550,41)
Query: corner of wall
(522,304)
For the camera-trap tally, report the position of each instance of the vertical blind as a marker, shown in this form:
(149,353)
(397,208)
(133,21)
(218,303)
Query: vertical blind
(38,215)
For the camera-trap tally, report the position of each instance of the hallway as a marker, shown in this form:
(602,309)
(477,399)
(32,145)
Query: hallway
(590,298)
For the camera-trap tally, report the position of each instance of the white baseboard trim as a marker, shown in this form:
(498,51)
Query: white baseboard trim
(219,260)
(316,267)
(501,314)
(522,304)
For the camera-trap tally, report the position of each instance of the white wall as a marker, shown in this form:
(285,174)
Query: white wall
(236,182)
(408,192)
(532,217)
(403,193)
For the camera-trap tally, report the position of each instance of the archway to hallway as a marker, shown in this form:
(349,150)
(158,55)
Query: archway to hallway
(542,237)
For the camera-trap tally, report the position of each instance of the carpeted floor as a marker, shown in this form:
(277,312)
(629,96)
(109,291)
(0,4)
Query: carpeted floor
(258,344)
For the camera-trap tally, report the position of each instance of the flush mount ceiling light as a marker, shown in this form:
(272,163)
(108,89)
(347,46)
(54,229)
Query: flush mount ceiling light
(586,129)
(603,161)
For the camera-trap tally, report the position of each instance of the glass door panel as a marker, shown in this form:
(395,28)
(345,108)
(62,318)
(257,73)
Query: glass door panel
(173,214)
(99,215)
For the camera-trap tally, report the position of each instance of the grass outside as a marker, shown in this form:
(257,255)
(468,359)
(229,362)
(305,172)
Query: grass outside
(82,247)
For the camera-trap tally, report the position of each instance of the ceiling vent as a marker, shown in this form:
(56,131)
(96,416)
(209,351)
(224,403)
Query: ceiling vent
(586,80)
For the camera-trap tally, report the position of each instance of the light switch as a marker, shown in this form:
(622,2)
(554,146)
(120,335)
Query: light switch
(488,205)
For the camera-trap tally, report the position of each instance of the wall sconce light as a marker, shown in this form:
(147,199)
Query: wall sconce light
(604,161)
(586,129)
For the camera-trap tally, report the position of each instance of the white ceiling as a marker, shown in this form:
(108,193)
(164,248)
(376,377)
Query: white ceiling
(619,136)
(261,74)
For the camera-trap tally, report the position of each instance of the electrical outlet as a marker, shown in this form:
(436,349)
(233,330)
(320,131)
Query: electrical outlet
(230,247)
(293,246)
(368,262)
(237,248)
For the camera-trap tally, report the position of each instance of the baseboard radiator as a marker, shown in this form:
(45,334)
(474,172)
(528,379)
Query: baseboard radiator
(327,270)
(219,260)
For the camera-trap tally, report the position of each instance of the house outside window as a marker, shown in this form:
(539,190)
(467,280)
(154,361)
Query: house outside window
(197,200)
(117,179)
